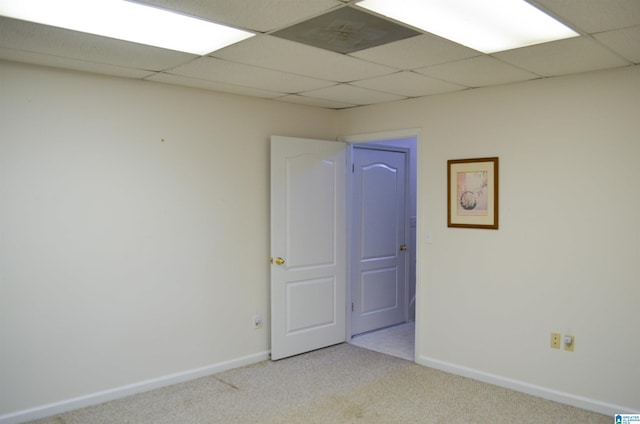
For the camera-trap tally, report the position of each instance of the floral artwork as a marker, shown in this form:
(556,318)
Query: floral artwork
(472,193)
(472,186)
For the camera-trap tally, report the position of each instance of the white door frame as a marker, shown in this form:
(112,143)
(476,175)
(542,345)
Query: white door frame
(379,137)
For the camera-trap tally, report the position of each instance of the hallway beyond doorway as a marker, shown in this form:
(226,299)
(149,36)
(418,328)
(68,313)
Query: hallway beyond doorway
(398,341)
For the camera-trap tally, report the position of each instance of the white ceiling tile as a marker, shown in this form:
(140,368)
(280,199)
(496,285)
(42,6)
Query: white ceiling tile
(213,69)
(266,66)
(212,86)
(310,101)
(416,52)
(594,15)
(478,71)
(625,42)
(346,93)
(573,55)
(72,64)
(408,84)
(276,53)
(64,43)
(256,15)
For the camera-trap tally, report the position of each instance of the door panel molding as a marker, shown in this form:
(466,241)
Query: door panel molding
(308,240)
(379,226)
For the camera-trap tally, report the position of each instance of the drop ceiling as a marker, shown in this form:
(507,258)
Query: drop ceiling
(354,74)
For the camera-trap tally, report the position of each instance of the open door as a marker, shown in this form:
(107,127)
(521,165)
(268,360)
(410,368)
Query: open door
(308,245)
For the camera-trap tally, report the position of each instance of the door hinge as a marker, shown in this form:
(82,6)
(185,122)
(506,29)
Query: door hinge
(353,307)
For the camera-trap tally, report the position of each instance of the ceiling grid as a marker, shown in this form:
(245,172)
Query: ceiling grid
(356,66)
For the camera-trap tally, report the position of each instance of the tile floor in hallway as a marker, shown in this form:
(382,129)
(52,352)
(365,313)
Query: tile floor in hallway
(398,340)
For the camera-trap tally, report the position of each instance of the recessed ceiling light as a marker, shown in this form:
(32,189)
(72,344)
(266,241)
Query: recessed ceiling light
(127,21)
(488,26)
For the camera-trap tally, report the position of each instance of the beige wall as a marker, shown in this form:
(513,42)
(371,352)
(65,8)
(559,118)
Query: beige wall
(567,255)
(122,257)
(125,258)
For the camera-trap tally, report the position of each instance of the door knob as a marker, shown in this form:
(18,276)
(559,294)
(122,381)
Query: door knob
(277,261)
(403,247)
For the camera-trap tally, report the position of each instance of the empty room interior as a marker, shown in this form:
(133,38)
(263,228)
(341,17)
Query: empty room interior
(136,195)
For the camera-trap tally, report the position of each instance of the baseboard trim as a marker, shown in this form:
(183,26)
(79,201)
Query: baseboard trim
(530,389)
(128,390)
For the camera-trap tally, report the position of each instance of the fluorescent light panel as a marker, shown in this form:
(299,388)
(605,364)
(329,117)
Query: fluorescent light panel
(488,26)
(127,21)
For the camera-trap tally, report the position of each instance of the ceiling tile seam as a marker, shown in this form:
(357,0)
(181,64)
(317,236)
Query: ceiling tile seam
(538,76)
(606,47)
(408,96)
(302,93)
(92,62)
(396,71)
(272,69)
(217,82)
(177,65)
(371,62)
(313,98)
(462,86)
(614,30)
(392,69)
(449,62)
(374,90)
(299,93)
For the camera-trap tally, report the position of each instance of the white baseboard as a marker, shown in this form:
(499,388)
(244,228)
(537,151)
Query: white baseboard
(530,389)
(131,389)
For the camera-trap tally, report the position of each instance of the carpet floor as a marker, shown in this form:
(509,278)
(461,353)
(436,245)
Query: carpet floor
(339,384)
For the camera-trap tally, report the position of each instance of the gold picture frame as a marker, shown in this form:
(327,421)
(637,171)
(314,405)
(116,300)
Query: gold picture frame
(472,190)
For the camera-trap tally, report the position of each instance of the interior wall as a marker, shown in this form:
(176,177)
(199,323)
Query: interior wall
(566,256)
(134,229)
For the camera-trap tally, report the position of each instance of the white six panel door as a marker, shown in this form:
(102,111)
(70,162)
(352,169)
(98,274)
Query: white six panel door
(308,221)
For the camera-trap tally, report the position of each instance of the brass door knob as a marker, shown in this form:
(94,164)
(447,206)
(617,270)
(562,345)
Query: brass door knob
(403,247)
(277,261)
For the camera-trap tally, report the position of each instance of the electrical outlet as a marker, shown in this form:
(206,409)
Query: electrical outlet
(257,321)
(555,340)
(569,342)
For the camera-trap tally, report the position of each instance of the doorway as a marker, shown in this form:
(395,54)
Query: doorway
(310,298)
(382,278)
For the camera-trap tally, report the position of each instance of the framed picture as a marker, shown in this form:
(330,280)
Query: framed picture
(472,188)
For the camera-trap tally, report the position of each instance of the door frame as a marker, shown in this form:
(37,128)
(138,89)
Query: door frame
(381,137)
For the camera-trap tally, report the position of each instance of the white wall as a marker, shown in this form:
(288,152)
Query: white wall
(567,255)
(123,257)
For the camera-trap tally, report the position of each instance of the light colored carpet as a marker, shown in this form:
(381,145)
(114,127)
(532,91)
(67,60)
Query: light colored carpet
(398,340)
(339,384)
